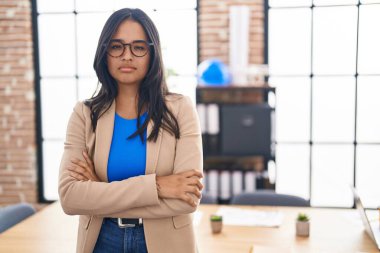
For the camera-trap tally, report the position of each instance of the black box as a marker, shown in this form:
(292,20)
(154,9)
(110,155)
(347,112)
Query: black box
(246,129)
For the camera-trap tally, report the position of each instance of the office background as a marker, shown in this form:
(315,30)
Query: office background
(324,61)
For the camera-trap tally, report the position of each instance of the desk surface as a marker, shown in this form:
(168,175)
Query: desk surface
(332,230)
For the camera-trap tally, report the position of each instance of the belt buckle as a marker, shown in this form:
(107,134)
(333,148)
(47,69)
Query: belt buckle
(122,225)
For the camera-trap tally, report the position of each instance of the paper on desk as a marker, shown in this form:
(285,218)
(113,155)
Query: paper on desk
(242,217)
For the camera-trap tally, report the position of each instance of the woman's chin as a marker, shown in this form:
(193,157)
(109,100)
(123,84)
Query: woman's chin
(128,81)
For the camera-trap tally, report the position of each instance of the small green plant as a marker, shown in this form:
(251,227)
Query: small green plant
(215,217)
(303,217)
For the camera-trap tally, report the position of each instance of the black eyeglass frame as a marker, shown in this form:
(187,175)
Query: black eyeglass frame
(130,47)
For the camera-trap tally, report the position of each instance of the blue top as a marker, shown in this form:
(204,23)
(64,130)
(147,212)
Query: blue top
(127,157)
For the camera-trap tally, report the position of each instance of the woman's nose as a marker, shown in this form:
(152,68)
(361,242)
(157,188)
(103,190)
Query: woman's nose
(127,54)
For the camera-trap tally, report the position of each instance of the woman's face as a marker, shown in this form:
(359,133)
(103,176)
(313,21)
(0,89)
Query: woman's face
(129,69)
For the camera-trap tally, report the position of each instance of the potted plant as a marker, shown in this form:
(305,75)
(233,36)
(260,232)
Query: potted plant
(216,222)
(303,225)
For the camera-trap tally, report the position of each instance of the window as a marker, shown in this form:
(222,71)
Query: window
(67,36)
(324,60)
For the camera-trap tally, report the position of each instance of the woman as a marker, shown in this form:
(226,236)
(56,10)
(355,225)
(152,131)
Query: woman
(132,160)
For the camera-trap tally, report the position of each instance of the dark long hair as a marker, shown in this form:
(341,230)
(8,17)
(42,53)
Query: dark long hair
(153,88)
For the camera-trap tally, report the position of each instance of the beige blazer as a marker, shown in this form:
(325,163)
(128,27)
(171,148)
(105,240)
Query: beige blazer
(167,222)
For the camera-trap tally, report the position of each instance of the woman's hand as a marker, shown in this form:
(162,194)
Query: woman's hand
(178,186)
(83,171)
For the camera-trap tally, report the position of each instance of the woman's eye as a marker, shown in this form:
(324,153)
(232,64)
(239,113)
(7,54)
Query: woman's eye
(115,47)
(139,48)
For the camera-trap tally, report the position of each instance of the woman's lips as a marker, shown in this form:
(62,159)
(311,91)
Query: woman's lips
(127,69)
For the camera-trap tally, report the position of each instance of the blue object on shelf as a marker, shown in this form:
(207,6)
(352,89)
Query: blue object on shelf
(213,72)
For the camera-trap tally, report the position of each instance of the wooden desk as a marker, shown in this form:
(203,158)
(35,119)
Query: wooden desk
(332,230)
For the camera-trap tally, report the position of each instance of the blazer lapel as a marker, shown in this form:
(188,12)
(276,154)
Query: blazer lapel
(152,150)
(104,132)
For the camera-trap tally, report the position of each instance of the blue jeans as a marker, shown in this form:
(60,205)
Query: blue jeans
(124,240)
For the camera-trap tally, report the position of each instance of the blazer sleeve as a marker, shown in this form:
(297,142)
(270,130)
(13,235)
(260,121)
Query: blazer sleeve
(98,198)
(189,156)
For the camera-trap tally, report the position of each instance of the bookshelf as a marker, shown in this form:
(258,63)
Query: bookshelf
(238,138)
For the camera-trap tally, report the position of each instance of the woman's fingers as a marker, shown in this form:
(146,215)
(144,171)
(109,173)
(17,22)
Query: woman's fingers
(76,170)
(77,176)
(200,185)
(88,160)
(188,199)
(192,173)
(79,162)
(180,187)
(84,168)
(197,182)
(193,185)
(89,163)
(194,190)
(82,164)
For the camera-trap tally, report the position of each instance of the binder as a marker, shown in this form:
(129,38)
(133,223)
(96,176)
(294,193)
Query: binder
(237,182)
(213,183)
(213,128)
(225,185)
(250,181)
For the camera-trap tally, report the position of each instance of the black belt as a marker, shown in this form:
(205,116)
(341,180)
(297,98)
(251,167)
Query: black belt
(127,223)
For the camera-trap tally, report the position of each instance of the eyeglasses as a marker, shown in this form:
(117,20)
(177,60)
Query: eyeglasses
(139,48)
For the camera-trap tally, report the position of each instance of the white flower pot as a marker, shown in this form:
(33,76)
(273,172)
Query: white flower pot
(216,226)
(302,228)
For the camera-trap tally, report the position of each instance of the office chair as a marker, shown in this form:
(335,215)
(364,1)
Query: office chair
(208,199)
(268,198)
(13,214)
